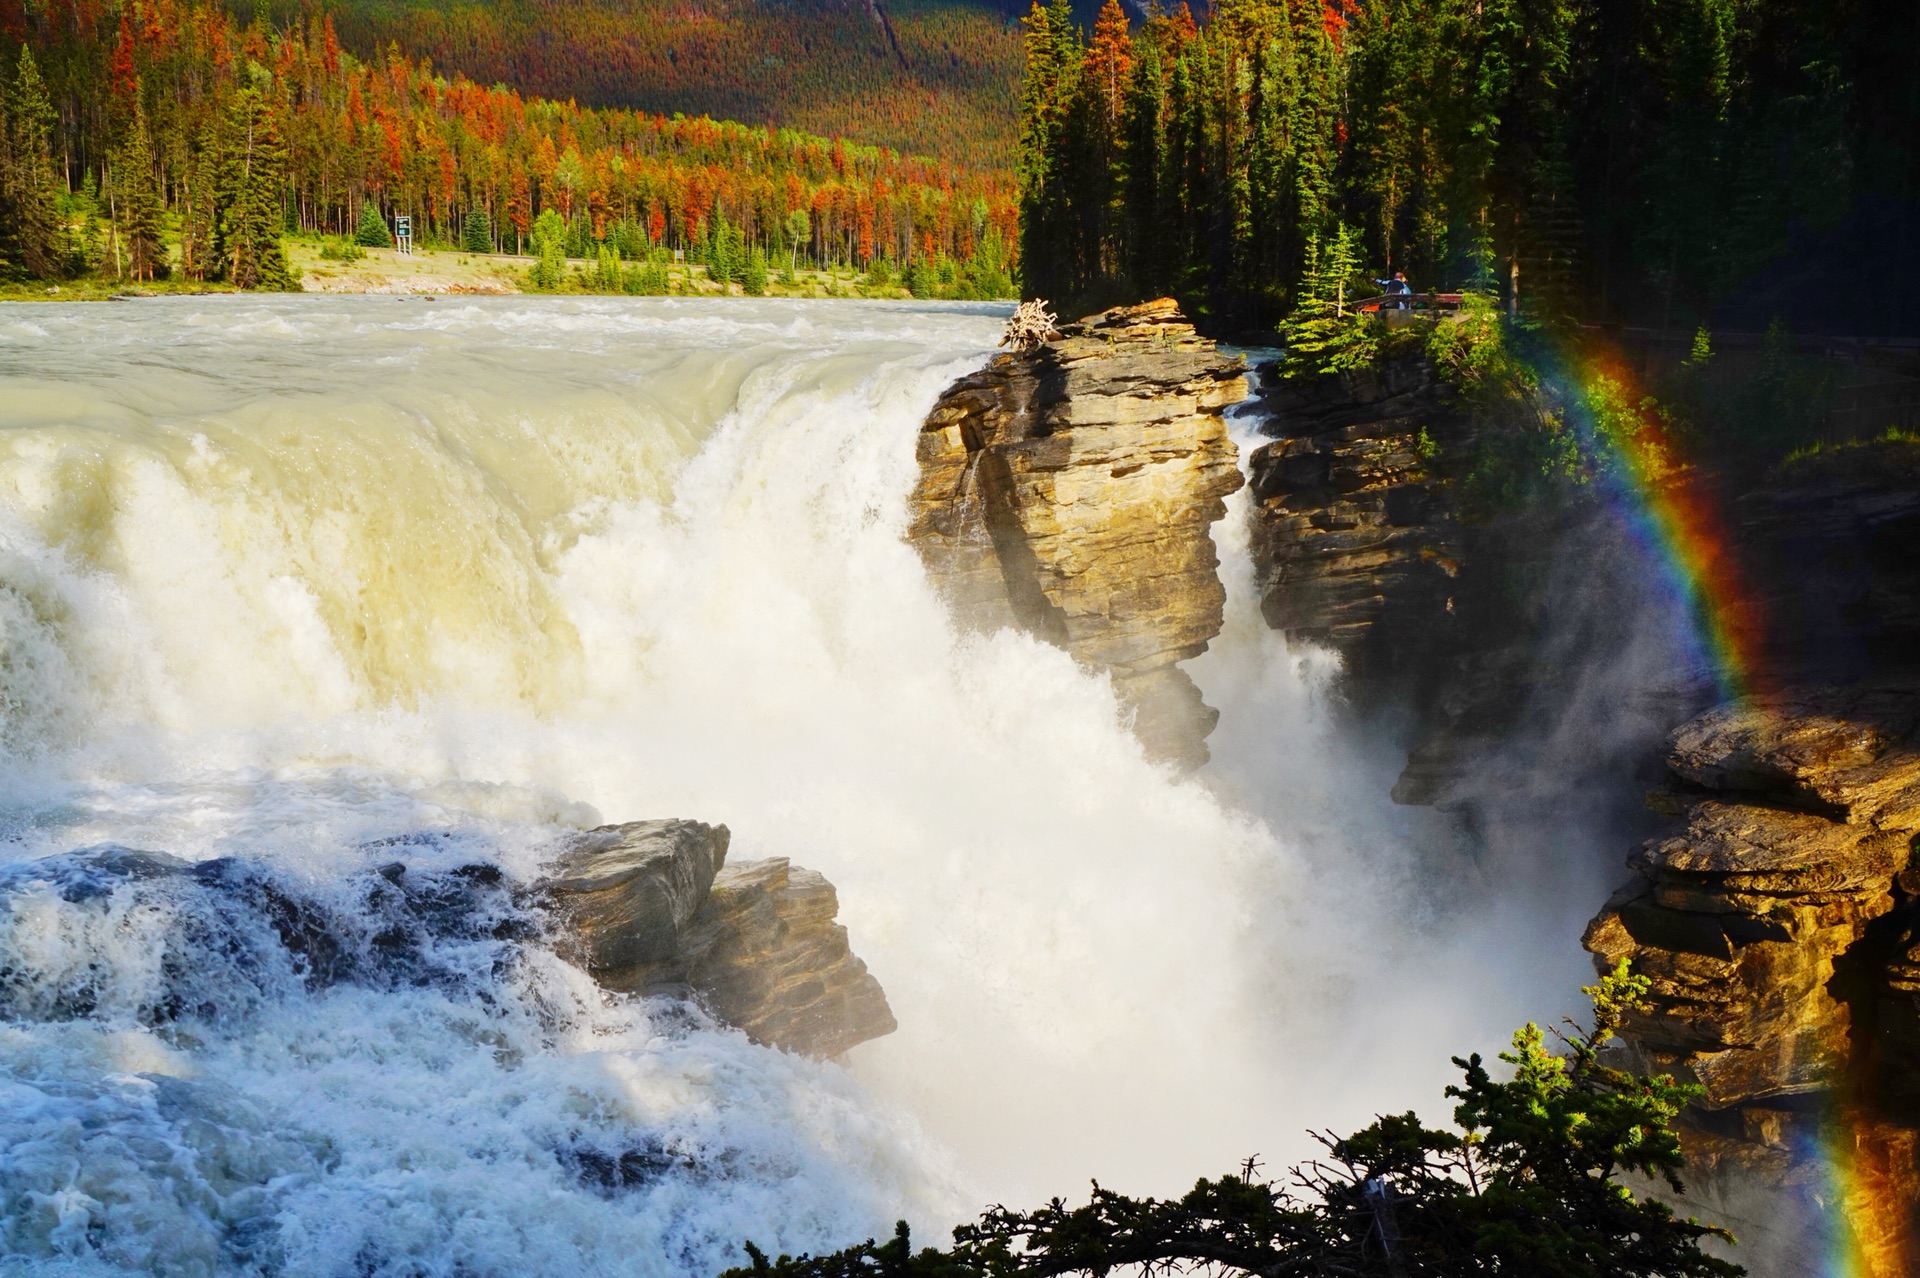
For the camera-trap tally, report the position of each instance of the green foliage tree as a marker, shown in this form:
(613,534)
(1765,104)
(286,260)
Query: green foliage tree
(606,277)
(476,233)
(753,279)
(799,230)
(649,280)
(549,270)
(371,230)
(33,237)
(138,214)
(922,281)
(248,191)
(1323,335)
(1524,1183)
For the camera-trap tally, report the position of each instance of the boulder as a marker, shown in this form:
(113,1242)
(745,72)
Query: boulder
(1798,819)
(651,907)
(627,891)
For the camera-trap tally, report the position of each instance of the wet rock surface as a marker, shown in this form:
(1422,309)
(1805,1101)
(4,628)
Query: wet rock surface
(651,907)
(1070,491)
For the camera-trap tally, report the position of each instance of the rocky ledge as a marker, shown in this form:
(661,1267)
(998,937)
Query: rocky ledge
(1069,490)
(1779,922)
(651,907)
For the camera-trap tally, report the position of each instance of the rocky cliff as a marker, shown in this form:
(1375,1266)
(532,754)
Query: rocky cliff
(651,907)
(1356,542)
(1383,530)
(1069,490)
(1779,921)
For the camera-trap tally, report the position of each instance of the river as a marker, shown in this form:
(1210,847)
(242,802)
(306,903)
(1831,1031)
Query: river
(319,584)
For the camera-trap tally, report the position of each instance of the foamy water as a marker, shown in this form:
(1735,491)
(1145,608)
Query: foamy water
(325,585)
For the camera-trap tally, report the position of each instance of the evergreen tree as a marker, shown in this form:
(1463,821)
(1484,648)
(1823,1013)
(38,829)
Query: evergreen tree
(606,270)
(32,231)
(753,278)
(249,190)
(371,230)
(137,212)
(199,210)
(476,233)
(1048,247)
(1523,1183)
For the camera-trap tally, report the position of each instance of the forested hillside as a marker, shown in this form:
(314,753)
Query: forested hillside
(1638,160)
(933,77)
(169,116)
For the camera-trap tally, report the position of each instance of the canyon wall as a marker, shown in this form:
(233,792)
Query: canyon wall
(1069,490)
(1778,912)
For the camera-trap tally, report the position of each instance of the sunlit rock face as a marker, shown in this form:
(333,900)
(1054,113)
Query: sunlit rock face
(1798,817)
(1070,491)
(651,907)
(1779,922)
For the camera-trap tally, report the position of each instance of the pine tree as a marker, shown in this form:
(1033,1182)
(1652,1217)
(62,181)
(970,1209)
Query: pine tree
(476,233)
(549,249)
(753,279)
(199,210)
(371,230)
(137,213)
(1048,247)
(252,168)
(35,237)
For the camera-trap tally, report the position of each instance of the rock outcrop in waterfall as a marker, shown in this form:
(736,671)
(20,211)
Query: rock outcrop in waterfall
(651,907)
(1070,490)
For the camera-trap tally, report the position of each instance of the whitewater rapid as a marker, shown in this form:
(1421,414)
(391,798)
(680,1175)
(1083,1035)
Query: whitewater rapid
(315,585)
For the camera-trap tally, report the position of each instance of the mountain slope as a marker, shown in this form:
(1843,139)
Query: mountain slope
(935,77)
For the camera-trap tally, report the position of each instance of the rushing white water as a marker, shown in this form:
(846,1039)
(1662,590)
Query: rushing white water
(322,585)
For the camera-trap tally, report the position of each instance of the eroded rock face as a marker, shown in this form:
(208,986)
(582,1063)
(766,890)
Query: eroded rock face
(767,956)
(1070,491)
(1780,925)
(1355,538)
(652,907)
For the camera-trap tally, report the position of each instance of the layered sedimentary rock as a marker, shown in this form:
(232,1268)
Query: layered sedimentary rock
(1779,923)
(1799,815)
(1070,490)
(1363,542)
(652,907)
(1355,539)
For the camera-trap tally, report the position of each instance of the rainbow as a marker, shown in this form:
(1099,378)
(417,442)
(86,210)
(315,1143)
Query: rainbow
(1680,520)
(1674,510)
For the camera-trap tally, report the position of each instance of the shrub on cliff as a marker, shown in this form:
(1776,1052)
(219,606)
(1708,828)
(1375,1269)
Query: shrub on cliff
(1524,1184)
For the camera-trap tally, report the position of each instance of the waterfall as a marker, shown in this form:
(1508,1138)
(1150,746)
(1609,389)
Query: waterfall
(329,618)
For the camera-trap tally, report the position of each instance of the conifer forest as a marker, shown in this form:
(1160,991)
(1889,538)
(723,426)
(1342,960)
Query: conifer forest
(122,117)
(1616,161)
